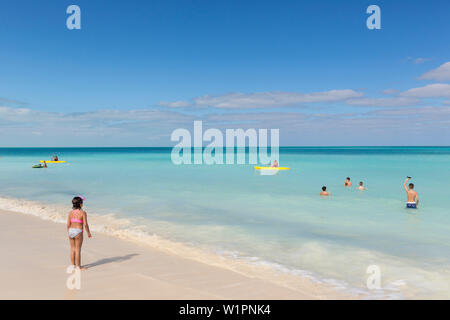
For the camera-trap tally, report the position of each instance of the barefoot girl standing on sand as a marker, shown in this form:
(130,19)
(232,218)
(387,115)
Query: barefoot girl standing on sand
(75,221)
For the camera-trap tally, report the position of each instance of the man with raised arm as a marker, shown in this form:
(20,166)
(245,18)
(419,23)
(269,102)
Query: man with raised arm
(412,196)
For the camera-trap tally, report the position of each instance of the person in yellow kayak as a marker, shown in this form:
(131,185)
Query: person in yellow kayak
(55,158)
(275,164)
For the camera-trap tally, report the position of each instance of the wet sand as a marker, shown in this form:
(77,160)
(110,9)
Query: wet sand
(35,256)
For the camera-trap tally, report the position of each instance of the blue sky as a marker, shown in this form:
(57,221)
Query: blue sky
(137,70)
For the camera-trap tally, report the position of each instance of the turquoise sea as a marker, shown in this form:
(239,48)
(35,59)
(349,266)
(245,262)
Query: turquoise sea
(278,221)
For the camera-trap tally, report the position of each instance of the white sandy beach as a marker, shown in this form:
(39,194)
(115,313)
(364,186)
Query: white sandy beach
(35,257)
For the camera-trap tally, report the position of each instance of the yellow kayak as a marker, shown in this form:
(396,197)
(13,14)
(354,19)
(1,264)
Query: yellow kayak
(272,168)
(49,161)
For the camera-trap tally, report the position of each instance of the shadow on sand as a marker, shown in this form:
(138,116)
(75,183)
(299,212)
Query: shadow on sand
(110,260)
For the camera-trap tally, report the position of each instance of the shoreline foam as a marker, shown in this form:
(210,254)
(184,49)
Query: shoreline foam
(124,229)
(35,260)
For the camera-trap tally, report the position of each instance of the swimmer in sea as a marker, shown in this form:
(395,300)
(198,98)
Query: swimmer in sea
(324,191)
(347,182)
(411,194)
(361,186)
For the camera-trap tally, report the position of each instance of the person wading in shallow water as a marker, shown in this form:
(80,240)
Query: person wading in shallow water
(347,182)
(324,191)
(411,194)
(361,186)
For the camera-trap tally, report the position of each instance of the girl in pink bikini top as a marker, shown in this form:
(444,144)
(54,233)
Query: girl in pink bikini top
(76,220)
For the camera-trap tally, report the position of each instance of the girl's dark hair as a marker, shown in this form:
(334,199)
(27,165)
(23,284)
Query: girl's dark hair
(77,202)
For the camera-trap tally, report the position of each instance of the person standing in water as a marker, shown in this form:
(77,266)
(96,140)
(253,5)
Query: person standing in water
(76,220)
(361,186)
(324,191)
(411,194)
(347,182)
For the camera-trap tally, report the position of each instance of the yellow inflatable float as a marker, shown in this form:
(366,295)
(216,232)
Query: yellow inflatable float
(50,161)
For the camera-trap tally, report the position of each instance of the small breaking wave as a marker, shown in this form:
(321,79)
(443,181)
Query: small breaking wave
(129,229)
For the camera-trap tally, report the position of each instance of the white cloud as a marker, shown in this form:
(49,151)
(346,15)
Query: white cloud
(269,99)
(426,113)
(418,60)
(441,73)
(384,102)
(12,102)
(421,60)
(149,127)
(174,104)
(390,91)
(99,117)
(437,90)
(101,127)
